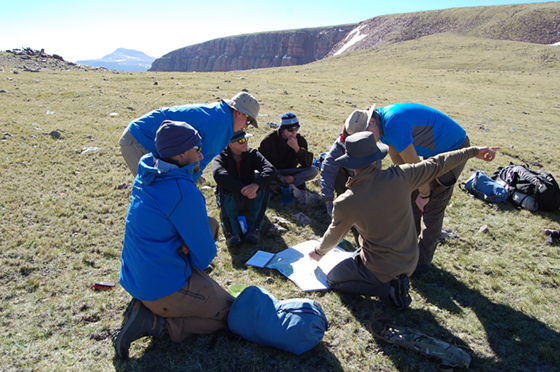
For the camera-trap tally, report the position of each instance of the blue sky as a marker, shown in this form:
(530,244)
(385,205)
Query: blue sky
(79,30)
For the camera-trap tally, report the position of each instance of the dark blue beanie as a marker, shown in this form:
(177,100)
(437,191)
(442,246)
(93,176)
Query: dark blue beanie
(175,137)
(289,120)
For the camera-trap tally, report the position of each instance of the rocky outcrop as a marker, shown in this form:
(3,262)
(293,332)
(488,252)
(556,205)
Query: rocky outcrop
(244,52)
(30,60)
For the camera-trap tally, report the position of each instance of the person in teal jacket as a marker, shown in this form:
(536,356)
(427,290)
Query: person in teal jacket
(168,243)
(412,131)
(215,122)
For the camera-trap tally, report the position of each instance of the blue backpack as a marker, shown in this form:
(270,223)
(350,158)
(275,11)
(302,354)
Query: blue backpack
(295,325)
(485,188)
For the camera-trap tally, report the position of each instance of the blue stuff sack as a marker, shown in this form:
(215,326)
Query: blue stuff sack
(485,188)
(318,162)
(295,325)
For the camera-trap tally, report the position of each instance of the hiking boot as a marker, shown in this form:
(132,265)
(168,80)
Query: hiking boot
(138,322)
(253,236)
(232,240)
(399,294)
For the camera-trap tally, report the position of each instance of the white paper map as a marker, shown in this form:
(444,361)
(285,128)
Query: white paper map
(296,265)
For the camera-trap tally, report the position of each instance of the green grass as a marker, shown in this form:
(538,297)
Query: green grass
(62,212)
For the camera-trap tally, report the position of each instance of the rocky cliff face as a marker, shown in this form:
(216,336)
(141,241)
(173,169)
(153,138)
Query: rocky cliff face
(272,49)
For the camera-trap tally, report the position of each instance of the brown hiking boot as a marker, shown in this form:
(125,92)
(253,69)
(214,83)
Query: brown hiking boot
(138,322)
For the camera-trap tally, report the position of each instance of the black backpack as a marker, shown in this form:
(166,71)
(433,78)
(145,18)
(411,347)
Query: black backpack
(536,183)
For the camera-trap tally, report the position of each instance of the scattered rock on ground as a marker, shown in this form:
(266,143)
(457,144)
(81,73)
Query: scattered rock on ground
(449,233)
(55,134)
(302,219)
(89,149)
(305,197)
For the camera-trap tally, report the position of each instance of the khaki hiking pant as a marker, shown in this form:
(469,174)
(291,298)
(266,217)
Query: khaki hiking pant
(131,151)
(200,307)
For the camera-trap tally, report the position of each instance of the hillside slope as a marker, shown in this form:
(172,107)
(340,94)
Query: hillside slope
(533,23)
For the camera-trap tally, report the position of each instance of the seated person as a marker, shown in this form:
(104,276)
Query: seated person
(334,176)
(243,176)
(168,242)
(285,148)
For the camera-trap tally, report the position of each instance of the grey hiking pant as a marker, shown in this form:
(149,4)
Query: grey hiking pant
(301,175)
(430,222)
(353,277)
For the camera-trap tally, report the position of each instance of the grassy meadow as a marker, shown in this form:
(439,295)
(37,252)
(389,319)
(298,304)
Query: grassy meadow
(63,203)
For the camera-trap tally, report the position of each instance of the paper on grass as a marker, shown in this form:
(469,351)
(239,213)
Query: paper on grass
(296,265)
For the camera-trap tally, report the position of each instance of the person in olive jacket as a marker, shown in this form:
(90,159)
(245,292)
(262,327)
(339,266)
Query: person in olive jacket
(243,175)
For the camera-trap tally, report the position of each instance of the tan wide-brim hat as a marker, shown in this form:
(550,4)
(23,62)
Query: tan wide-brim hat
(247,104)
(358,120)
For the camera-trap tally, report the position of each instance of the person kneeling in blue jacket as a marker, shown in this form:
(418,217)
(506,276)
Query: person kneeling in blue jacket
(168,242)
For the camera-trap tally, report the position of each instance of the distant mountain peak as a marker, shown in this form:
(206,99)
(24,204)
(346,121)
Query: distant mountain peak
(122,59)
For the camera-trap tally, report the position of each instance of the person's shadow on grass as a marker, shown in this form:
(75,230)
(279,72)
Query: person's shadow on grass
(518,341)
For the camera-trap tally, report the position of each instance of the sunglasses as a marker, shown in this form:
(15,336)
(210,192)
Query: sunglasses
(243,140)
(249,119)
(292,130)
(198,149)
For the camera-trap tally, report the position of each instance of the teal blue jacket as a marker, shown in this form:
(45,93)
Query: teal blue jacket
(214,123)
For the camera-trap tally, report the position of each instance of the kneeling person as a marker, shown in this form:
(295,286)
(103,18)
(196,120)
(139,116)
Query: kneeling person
(243,176)
(168,242)
(378,204)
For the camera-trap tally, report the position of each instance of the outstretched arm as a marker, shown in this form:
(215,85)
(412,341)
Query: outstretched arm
(487,153)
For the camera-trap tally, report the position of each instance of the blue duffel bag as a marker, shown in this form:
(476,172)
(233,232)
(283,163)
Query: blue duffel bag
(485,188)
(295,325)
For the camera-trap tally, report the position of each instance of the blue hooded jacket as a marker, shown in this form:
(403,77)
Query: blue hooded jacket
(166,210)
(214,123)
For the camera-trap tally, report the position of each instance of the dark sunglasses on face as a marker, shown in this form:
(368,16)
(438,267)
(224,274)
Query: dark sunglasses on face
(198,149)
(249,119)
(292,130)
(243,140)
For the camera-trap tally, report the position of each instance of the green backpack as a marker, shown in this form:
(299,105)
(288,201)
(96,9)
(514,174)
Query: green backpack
(403,335)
